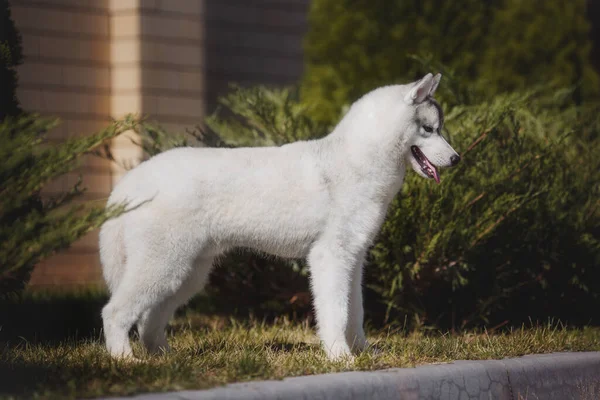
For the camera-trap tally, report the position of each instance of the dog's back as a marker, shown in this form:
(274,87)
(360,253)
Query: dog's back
(266,198)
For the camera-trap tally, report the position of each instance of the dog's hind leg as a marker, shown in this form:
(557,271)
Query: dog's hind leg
(151,276)
(112,253)
(152,324)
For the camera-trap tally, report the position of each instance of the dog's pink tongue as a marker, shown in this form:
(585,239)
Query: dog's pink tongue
(436,176)
(433,170)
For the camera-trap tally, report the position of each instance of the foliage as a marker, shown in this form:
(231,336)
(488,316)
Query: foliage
(246,117)
(32,227)
(494,46)
(518,55)
(263,117)
(10,56)
(246,282)
(516,222)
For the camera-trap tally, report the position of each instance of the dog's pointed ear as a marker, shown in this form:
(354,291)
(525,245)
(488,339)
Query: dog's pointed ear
(436,82)
(420,90)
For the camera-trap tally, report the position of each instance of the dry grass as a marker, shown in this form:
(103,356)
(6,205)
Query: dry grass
(209,351)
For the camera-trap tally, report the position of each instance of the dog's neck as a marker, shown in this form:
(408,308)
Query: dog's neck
(366,140)
(377,170)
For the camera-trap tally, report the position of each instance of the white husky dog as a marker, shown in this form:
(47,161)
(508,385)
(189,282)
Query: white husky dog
(321,199)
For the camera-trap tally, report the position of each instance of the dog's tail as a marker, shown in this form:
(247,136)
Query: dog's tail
(112,252)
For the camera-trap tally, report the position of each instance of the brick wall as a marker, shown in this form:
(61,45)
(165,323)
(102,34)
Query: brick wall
(90,60)
(174,64)
(66,73)
(157,65)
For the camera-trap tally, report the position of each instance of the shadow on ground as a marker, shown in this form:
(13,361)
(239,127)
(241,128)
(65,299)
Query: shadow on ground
(52,317)
(58,316)
(21,379)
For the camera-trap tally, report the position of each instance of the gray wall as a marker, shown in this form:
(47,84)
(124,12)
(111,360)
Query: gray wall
(253,42)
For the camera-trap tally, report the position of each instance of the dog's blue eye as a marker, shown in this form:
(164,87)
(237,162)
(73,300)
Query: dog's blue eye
(428,129)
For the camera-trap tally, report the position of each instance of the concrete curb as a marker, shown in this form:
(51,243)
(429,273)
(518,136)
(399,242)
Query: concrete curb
(548,376)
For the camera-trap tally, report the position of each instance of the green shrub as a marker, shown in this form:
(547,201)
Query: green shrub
(517,222)
(32,227)
(258,116)
(354,46)
(511,233)
(519,54)
(10,56)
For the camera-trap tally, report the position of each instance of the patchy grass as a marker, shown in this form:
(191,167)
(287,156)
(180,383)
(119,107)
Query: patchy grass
(210,351)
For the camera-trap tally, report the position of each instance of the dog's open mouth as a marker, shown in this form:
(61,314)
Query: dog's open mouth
(426,166)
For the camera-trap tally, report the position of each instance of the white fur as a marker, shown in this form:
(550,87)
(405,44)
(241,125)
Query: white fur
(323,199)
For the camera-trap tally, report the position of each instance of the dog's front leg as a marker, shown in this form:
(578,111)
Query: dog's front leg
(331,280)
(355,334)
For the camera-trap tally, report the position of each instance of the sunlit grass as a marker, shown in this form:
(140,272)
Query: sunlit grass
(209,351)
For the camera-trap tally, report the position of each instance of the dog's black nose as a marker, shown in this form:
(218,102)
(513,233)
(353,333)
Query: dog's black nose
(454,159)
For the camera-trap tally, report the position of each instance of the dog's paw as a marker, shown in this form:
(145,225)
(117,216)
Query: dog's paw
(132,360)
(127,359)
(337,351)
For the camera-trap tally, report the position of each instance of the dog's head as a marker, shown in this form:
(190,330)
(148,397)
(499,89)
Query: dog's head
(426,148)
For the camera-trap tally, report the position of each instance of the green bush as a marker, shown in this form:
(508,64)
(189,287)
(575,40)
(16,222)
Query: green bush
(493,46)
(259,116)
(10,56)
(511,233)
(517,222)
(520,50)
(32,227)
